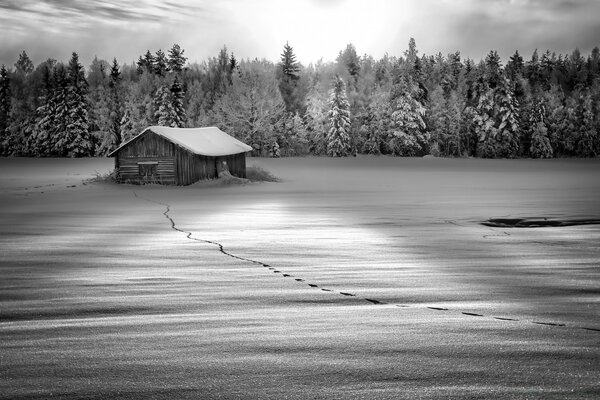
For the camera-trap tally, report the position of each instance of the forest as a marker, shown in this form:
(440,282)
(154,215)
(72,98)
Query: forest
(546,106)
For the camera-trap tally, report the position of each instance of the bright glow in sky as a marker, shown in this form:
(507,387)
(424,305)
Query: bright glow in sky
(314,28)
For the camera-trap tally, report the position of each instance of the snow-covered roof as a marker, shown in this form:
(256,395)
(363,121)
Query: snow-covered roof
(209,141)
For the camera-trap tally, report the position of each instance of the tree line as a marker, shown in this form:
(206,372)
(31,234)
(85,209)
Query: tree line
(407,105)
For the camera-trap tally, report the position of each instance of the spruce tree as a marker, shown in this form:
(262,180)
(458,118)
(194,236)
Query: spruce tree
(587,136)
(165,114)
(177,96)
(493,70)
(483,119)
(288,76)
(338,137)
(115,107)
(5,103)
(507,121)
(407,125)
(540,144)
(514,67)
(316,121)
(176,59)
(145,63)
(160,64)
(54,124)
(24,65)
(78,140)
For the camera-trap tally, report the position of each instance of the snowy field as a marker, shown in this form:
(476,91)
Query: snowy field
(358,278)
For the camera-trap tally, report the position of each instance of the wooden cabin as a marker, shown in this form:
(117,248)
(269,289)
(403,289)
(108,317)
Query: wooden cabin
(179,156)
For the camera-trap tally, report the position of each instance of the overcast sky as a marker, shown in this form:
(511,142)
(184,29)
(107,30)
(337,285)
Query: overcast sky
(314,28)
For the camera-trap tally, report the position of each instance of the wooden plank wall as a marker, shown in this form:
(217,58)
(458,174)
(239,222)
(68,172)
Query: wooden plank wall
(149,148)
(236,164)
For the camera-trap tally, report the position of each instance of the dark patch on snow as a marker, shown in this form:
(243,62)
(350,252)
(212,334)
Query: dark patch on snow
(505,319)
(591,329)
(374,301)
(472,314)
(438,308)
(548,323)
(536,222)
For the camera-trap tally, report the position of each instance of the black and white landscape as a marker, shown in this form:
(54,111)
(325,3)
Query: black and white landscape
(418,216)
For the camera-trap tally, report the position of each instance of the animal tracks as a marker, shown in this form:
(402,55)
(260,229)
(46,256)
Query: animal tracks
(221,249)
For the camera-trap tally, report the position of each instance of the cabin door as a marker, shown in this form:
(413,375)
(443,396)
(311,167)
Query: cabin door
(147,171)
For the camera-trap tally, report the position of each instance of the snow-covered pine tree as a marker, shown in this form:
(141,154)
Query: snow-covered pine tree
(177,95)
(407,126)
(5,102)
(338,137)
(445,117)
(116,105)
(165,113)
(79,143)
(56,119)
(316,121)
(587,145)
(483,119)
(540,146)
(375,124)
(507,121)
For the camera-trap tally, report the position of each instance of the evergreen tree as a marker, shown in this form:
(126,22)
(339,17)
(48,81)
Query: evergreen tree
(407,126)
(514,67)
(53,117)
(146,63)
(540,144)
(375,124)
(445,117)
(493,70)
(97,73)
(76,139)
(350,61)
(533,70)
(177,96)
(507,121)
(24,65)
(176,59)
(165,113)
(160,65)
(587,136)
(289,77)
(338,137)
(483,119)
(316,122)
(115,110)
(5,103)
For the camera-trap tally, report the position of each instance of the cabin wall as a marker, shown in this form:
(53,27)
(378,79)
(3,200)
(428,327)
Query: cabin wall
(148,149)
(236,164)
(194,167)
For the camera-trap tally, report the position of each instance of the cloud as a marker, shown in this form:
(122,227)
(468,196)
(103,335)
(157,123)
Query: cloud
(127,10)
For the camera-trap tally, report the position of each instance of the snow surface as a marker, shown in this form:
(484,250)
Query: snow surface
(210,141)
(351,278)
